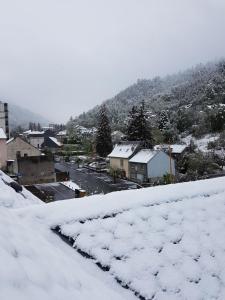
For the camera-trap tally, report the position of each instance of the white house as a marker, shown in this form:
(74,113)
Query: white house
(149,165)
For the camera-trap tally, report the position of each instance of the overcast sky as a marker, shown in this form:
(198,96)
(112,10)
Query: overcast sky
(62,57)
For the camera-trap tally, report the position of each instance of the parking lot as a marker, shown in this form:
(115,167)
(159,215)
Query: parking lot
(93,182)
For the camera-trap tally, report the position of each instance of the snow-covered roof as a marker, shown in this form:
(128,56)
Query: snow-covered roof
(33,133)
(143,156)
(178,148)
(2,134)
(147,239)
(123,150)
(10,140)
(175,148)
(36,264)
(62,133)
(55,141)
(10,199)
(72,185)
(165,242)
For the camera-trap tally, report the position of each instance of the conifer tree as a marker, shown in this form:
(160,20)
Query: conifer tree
(132,129)
(163,120)
(103,137)
(138,127)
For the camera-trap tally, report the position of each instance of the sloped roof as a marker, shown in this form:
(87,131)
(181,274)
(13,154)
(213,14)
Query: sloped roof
(36,264)
(148,241)
(124,150)
(54,140)
(10,199)
(143,156)
(2,134)
(35,132)
(175,148)
(10,140)
(165,242)
(24,141)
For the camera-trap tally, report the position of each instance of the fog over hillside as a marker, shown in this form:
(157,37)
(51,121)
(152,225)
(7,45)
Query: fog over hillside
(191,90)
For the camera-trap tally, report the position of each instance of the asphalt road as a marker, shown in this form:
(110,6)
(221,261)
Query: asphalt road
(87,180)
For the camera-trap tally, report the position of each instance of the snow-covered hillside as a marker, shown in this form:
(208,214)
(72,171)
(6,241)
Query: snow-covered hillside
(165,242)
(202,143)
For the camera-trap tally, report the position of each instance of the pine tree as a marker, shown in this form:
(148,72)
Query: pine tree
(163,120)
(138,126)
(103,137)
(132,129)
(39,127)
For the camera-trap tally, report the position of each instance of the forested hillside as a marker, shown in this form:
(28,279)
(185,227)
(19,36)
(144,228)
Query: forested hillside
(193,101)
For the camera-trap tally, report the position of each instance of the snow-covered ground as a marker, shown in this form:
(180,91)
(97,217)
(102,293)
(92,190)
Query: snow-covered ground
(165,242)
(202,144)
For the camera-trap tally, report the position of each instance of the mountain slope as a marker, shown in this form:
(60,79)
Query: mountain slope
(192,89)
(22,116)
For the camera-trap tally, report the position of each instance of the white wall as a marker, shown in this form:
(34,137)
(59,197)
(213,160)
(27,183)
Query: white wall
(36,141)
(160,165)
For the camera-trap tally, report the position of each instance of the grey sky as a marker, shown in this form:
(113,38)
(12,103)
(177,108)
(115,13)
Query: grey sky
(62,57)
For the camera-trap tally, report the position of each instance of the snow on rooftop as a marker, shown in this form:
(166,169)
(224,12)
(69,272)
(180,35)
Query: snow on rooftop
(143,156)
(63,132)
(2,134)
(10,140)
(72,185)
(165,242)
(174,250)
(36,264)
(55,141)
(10,199)
(123,150)
(175,148)
(35,132)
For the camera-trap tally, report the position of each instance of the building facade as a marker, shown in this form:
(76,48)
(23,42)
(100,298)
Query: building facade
(36,138)
(148,165)
(4,118)
(119,157)
(3,150)
(36,169)
(17,147)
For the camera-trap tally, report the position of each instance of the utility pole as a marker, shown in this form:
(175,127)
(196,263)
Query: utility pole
(170,157)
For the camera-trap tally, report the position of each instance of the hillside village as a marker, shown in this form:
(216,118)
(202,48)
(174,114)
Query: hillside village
(112,150)
(58,184)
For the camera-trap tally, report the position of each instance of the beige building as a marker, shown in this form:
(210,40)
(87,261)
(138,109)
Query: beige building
(17,147)
(121,154)
(3,149)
